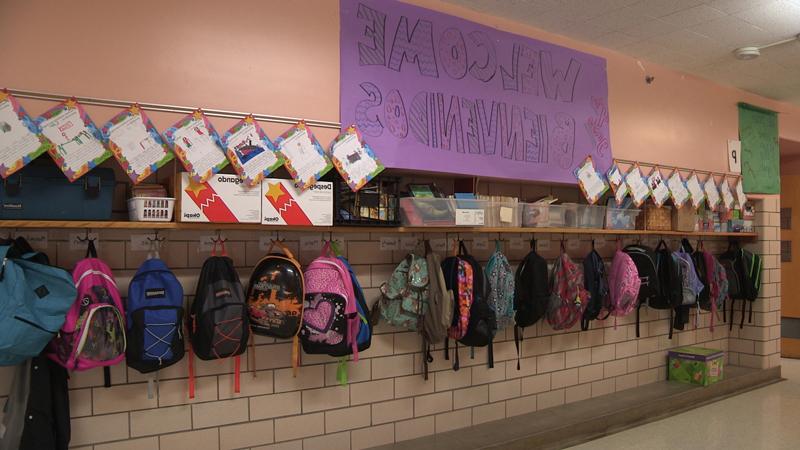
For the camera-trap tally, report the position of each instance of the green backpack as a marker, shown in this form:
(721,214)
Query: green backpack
(404,298)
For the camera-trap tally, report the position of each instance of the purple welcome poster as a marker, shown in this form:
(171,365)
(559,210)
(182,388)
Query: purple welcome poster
(437,93)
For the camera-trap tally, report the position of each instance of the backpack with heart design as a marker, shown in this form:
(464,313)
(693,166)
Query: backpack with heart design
(330,317)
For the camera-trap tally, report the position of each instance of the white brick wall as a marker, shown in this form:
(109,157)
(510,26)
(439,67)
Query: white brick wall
(387,399)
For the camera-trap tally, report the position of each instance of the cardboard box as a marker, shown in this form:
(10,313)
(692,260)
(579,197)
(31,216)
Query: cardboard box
(283,204)
(695,365)
(222,199)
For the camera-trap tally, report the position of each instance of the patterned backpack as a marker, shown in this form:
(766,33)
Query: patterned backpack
(623,285)
(404,298)
(717,287)
(93,334)
(568,297)
(501,287)
(459,279)
(330,316)
(275,298)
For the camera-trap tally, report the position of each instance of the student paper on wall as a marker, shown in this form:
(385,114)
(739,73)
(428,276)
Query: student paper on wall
(304,157)
(197,146)
(615,178)
(727,195)
(136,144)
(590,181)
(354,159)
(741,197)
(283,204)
(221,199)
(78,146)
(250,151)
(20,139)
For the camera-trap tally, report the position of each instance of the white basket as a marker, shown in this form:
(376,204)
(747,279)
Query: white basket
(150,209)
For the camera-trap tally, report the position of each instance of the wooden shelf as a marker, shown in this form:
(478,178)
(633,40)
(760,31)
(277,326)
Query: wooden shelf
(123,225)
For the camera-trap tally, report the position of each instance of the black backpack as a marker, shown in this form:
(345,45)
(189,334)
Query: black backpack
(218,325)
(531,294)
(645,260)
(743,269)
(595,281)
(670,281)
(482,319)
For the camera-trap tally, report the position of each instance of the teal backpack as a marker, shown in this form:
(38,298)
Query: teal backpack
(35,300)
(501,287)
(404,298)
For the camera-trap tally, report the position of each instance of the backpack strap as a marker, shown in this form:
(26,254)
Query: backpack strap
(518,337)
(4,255)
(106,376)
(490,354)
(744,306)
(281,246)
(91,250)
(733,304)
(462,249)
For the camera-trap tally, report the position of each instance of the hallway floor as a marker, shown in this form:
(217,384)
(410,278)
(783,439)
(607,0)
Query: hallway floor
(766,418)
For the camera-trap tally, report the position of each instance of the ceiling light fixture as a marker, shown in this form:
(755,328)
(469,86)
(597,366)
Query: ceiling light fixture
(748,53)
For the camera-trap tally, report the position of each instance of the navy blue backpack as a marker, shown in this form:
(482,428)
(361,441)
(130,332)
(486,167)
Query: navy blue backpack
(155,316)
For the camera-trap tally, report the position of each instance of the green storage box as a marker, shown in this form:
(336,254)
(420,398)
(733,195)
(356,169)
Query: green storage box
(695,365)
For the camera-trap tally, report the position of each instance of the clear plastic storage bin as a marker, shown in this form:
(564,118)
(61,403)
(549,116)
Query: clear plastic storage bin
(583,216)
(504,214)
(621,218)
(442,212)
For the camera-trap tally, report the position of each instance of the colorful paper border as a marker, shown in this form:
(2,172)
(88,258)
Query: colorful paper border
(30,124)
(234,160)
(298,183)
(133,110)
(87,122)
(354,184)
(180,152)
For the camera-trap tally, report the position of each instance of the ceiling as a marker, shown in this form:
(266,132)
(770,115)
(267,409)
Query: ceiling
(695,36)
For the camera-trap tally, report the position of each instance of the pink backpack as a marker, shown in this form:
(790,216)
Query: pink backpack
(623,285)
(568,297)
(93,334)
(330,315)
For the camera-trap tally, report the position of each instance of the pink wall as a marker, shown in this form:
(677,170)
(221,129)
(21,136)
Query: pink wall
(278,57)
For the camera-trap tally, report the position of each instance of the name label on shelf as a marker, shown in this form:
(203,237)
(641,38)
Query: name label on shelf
(480,243)
(388,244)
(469,217)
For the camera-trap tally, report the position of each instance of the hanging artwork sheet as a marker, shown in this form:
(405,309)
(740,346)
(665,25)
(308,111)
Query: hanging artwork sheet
(639,189)
(658,187)
(727,195)
(677,189)
(695,191)
(590,181)
(354,159)
(250,151)
(741,197)
(622,190)
(305,159)
(20,139)
(712,193)
(614,176)
(78,143)
(197,146)
(136,144)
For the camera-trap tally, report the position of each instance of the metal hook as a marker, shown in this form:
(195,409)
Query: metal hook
(86,237)
(219,239)
(155,237)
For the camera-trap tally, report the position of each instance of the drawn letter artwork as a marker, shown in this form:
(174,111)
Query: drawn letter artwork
(434,92)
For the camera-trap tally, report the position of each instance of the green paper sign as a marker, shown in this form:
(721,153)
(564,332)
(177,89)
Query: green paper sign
(758,131)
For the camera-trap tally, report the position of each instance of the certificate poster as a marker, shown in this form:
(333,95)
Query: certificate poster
(590,181)
(354,159)
(658,187)
(250,151)
(304,157)
(136,144)
(677,189)
(614,176)
(197,145)
(78,144)
(695,191)
(639,189)
(727,195)
(20,139)
(712,193)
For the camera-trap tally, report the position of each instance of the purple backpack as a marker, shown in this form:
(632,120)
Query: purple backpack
(93,334)
(330,315)
(623,285)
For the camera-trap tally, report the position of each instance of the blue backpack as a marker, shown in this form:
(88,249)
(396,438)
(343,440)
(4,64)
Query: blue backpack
(35,300)
(155,316)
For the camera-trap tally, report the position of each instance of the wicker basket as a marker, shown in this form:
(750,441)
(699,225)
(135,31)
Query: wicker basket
(684,219)
(654,218)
